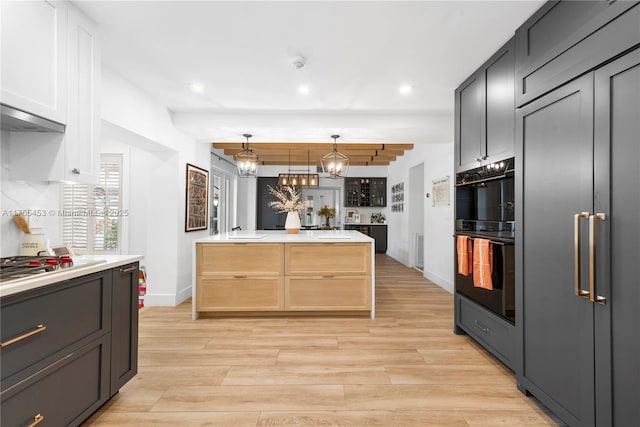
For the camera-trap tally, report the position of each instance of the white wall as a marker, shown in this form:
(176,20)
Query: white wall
(137,126)
(438,221)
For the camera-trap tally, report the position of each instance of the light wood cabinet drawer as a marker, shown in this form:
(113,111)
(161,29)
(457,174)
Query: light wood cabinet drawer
(317,293)
(328,258)
(249,293)
(240,259)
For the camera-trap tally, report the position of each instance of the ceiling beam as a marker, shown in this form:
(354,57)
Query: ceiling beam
(310,146)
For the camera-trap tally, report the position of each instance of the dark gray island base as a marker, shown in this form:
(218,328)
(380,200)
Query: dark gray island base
(68,347)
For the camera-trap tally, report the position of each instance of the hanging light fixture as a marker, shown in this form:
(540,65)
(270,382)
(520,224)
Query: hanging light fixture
(247,160)
(335,164)
(299,179)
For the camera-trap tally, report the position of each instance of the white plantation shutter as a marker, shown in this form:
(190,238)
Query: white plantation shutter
(91,219)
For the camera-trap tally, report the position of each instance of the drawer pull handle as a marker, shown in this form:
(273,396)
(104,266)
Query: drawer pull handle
(37,330)
(127,270)
(481,327)
(239,277)
(37,420)
(328,277)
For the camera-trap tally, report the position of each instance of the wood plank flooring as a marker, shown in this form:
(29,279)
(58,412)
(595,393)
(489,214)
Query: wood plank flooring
(405,368)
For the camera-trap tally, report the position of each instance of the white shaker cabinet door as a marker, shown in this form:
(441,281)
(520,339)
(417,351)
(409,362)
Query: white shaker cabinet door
(82,148)
(34,57)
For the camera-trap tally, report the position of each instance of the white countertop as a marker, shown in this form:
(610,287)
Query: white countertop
(277,236)
(94,264)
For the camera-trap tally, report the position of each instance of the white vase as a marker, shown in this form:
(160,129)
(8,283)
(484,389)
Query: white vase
(292,224)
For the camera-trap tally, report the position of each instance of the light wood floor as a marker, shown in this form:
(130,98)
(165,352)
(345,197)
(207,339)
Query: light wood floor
(405,368)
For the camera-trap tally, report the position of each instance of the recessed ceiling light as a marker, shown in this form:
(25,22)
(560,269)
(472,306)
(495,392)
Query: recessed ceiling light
(405,89)
(196,87)
(304,90)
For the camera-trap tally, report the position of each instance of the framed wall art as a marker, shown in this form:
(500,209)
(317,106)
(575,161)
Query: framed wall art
(197,199)
(440,188)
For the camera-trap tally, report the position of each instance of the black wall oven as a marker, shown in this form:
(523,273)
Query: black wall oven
(485,210)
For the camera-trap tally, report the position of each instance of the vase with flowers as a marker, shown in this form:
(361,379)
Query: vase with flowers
(328,213)
(288,200)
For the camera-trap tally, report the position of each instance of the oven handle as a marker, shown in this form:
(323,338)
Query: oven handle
(492,241)
(477,181)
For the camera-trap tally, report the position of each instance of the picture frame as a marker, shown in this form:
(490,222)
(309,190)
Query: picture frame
(349,213)
(196,199)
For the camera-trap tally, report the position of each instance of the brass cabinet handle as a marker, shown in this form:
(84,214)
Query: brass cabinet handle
(239,277)
(593,219)
(576,252)
(127,270)
(328,277)
(37,420)
(37,330)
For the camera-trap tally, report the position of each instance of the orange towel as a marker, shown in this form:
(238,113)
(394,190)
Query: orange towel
(482,264)
(465,254)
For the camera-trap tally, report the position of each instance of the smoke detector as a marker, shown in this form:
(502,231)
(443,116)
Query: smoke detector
(298,61)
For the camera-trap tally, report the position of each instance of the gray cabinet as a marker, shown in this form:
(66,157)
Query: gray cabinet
(124,326)
(565,38)
(58,317)
(557,327)
(363,192)
(484,112)
(494,333)
(376,232)
(63,394)
(617,178)
(68,347)
(576,352)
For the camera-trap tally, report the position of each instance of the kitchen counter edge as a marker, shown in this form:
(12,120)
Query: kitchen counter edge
(305,236)
(110,261)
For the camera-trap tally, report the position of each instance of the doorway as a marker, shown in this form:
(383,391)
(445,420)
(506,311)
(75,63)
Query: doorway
(416,216)
(223,201)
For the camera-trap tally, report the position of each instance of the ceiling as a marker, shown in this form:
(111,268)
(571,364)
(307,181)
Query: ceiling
(357,54)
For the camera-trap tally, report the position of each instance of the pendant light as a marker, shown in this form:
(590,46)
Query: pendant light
(247,160)
(335,164)
(299,179)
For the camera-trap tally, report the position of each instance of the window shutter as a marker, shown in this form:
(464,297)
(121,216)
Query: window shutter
(75,224)
(91,218)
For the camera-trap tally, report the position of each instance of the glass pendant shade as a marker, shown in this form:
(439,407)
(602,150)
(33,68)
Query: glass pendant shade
(335,164)
(247,161)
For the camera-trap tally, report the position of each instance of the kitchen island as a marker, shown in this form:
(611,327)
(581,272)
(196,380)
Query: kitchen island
(69,340)
(260,273)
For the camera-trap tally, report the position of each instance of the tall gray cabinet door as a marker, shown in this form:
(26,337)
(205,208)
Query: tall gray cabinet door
(470,123)
(555,138)
(500,104)
(617,178)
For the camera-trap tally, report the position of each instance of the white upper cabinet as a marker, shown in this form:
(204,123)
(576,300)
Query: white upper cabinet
(82,134)
(34,57)
(49,156)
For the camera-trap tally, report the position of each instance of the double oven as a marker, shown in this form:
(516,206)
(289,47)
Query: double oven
(485,210)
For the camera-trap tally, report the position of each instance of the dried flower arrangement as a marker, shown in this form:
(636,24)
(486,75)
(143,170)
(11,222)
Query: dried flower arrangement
(327,211)
(288,200)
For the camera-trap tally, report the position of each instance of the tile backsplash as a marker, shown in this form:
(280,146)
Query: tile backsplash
(24,196)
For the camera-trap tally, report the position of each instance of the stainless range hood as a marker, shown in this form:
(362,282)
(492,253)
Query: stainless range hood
(16,120)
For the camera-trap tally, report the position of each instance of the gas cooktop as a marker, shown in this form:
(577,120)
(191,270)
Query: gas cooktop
(20,267)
